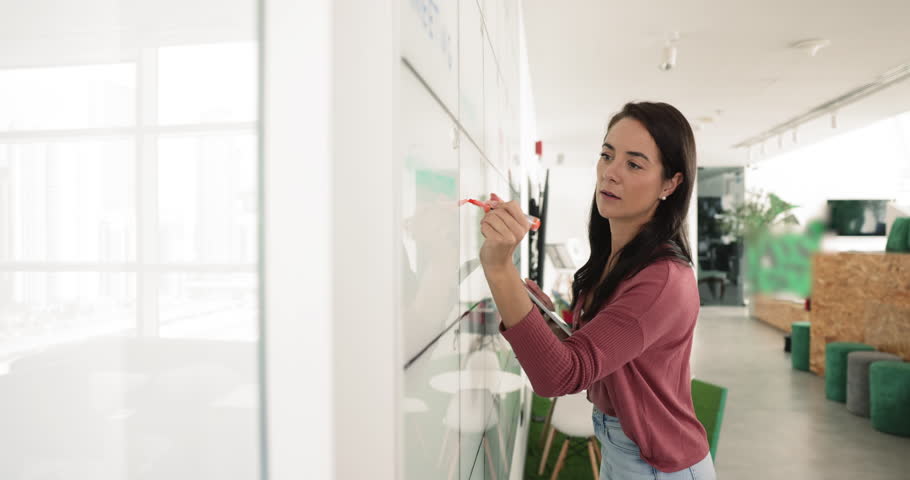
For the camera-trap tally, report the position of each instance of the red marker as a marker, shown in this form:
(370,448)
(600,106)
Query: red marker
(534,221)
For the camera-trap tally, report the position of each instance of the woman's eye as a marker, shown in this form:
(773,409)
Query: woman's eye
(634,166)
(605,156)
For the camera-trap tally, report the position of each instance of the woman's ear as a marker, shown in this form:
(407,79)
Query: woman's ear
(671,184)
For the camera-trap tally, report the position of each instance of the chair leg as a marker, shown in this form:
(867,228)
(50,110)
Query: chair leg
(454,461)
(502,445)
(546,424)
(546,450)
(561,461)
(442,450)
(486,446)
(596,444)
(593,456)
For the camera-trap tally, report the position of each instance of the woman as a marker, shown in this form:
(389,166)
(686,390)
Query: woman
(635,301)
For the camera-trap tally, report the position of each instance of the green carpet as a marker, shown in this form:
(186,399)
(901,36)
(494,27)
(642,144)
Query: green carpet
(576,467)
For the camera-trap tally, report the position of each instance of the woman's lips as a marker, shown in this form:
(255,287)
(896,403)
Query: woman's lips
(609,195)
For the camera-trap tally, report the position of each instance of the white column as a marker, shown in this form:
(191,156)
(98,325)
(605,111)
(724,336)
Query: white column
(296,240)
(367,170)
(330,261)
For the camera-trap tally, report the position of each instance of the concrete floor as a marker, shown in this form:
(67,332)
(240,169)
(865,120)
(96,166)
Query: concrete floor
(777,423)
(711,297)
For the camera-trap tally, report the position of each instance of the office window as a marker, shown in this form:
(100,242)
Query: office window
(207,83)
(72,97)
(68,200)
(163,204)
(207,198)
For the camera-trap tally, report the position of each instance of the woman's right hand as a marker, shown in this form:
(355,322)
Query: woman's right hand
(539,294)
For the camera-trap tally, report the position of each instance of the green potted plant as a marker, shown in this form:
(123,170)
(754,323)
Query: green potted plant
(758,214)
(750,223)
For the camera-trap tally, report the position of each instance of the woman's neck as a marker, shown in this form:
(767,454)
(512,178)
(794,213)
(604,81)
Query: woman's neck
(621,233)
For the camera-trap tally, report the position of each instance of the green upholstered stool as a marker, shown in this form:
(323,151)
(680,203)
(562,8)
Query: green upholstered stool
(709,401)
(889,389)
(899,238)
(836,368)
(799,345)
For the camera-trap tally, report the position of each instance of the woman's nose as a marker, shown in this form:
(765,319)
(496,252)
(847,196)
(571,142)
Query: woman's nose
(609,172)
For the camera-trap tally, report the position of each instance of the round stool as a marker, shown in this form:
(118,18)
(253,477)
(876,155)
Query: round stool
(858,379)
(836,368)
(889,388)
(799,345)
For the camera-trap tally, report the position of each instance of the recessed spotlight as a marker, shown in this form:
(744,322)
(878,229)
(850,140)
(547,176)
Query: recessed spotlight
(811,45)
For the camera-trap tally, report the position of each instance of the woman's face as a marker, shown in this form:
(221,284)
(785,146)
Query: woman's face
(630,177)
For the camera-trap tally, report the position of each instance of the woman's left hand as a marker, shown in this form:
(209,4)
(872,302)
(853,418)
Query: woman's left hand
(503,228)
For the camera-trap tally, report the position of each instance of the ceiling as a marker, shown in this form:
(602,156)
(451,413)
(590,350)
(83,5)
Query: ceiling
(588,57)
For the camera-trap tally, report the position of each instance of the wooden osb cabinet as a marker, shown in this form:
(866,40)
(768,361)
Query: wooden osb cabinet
(860,297)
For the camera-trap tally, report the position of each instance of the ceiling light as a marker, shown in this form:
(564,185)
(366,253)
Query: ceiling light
(669,60)
(669,57)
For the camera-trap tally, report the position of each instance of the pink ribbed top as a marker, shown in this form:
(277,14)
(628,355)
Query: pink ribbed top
(632,358)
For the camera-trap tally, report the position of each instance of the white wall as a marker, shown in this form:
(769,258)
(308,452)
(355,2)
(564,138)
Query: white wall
(571,191)
(868,163)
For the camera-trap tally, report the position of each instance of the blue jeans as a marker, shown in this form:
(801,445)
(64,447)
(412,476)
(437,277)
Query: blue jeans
(622,460)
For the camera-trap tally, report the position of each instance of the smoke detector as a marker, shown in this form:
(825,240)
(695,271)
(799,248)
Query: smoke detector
(811,45)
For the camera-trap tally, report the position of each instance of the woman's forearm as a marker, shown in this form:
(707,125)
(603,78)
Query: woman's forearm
(509,294)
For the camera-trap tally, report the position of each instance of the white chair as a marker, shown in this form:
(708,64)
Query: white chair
(572,418)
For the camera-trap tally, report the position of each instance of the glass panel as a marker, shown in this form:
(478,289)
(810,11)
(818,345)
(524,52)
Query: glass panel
(90,391)
(431,410)
(68,201)
(429,206)
(470,91)
(429,43)
(207,198)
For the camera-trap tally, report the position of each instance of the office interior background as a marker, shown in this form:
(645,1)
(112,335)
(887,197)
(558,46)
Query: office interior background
(231,242)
